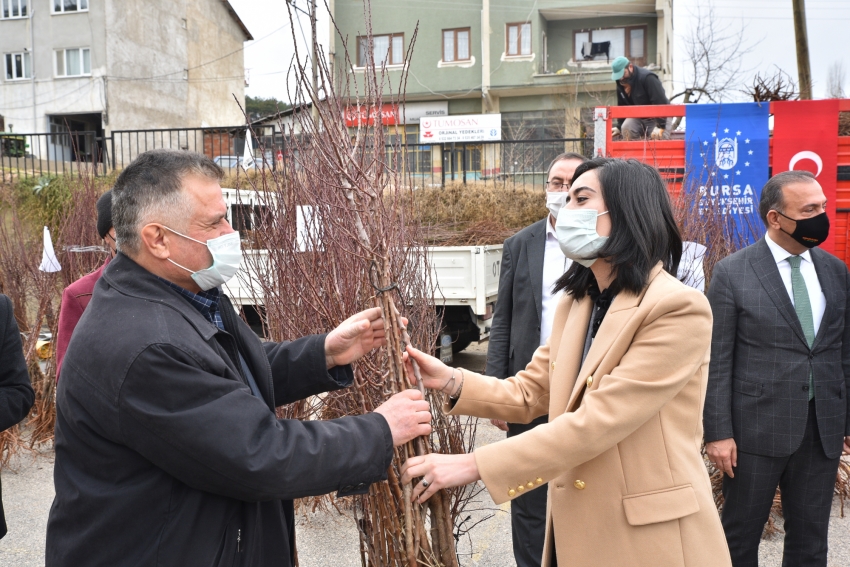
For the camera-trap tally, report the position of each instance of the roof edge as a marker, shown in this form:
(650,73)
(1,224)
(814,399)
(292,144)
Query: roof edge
(238,20)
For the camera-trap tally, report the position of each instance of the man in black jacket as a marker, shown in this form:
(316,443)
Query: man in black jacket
(168,450)
(531,263)
(637,86)
(16,395)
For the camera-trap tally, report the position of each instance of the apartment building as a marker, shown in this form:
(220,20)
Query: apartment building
(537,63)
(106,65)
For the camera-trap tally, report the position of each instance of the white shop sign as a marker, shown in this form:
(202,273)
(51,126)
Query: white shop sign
(463,128)
(416,111)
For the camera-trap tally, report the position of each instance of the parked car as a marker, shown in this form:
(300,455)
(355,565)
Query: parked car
(231,162)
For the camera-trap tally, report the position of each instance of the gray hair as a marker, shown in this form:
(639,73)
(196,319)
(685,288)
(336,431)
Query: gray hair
(150,190)
(771,194)
(564,157)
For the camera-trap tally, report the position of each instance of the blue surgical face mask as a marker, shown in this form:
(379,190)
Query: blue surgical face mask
(226,252)
(577,236)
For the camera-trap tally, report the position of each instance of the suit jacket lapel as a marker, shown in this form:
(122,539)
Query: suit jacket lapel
(828,286)
(535,250)
(765,268)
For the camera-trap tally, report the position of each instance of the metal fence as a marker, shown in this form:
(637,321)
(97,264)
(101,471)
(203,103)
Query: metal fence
(36,155)
(424,165)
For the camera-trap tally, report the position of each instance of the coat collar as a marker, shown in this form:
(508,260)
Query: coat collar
(829,288)
(130,279)
(619,313)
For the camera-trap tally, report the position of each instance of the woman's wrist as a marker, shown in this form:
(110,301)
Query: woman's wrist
(456,393)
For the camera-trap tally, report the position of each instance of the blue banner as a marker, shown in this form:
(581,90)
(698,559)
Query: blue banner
(726,163)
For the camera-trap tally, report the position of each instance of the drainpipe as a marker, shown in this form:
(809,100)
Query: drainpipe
(485,56)
(32,69)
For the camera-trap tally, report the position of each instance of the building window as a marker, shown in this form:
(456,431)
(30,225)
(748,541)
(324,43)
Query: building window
(627,41)
(386,49)
(518,41)
(456,45)
(73,62)
(15,9)
(18,66)
(69,6)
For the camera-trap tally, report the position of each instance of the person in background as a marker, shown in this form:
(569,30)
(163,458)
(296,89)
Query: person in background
(776,410)
(532,262)
(168,448)
(76,296)
(638,86)
(16,394)
(623,379)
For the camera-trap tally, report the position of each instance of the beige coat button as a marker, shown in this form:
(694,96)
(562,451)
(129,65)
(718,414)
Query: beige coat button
(589,381)
(511,492)
(579,484)
(521,487)
(529,484)
(553,365)
(539,480)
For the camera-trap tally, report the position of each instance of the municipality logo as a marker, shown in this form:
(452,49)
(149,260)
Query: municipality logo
(726,152)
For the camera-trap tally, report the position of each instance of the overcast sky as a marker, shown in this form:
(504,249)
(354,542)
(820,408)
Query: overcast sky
(769,23)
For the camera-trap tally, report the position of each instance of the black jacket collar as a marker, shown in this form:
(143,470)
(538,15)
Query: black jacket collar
(129,278)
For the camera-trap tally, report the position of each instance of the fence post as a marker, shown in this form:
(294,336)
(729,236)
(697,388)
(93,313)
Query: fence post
(442,166)
(463,161)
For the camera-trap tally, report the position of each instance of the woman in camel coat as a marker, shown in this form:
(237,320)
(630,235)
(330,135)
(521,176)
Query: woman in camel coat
(623,379)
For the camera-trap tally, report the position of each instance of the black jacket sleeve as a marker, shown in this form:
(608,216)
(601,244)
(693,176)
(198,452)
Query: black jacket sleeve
(498,351)
(16,394)
(212,434)
(299,369)
(717,413)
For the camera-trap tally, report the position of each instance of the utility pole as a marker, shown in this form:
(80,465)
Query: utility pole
(804,69)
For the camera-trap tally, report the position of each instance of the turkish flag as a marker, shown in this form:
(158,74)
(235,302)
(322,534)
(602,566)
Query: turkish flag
(805,137)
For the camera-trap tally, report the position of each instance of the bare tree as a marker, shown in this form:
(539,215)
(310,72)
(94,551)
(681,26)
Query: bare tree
(715,57)
(770,88)
(835,80)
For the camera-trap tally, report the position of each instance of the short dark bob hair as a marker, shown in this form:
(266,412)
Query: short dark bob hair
(643,230)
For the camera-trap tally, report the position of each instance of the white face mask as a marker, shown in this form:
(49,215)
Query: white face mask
(577,236)
(555,201)
(226,252)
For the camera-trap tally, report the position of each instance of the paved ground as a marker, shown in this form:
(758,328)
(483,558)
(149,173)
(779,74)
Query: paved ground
(326,539)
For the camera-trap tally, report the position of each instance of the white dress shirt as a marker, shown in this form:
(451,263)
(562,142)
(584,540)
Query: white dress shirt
(810,276)
(554,266)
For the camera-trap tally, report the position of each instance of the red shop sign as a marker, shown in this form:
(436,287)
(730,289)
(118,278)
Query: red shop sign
(364,115)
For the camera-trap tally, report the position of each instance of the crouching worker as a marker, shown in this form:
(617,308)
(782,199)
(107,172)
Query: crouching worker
(168,451)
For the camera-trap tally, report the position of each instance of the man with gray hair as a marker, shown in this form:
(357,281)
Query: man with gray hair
(776,410)
(168,450)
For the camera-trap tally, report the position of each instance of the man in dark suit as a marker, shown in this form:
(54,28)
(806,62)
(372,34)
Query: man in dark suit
(776,410)
(531,262)
(16,395)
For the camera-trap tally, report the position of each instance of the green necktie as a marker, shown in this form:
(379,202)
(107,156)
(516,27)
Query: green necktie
(803,307)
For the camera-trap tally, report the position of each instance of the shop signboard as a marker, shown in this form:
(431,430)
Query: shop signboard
(461,128)
(393,114)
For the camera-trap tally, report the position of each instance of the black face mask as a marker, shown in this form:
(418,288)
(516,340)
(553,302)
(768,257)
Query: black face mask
(810,232)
